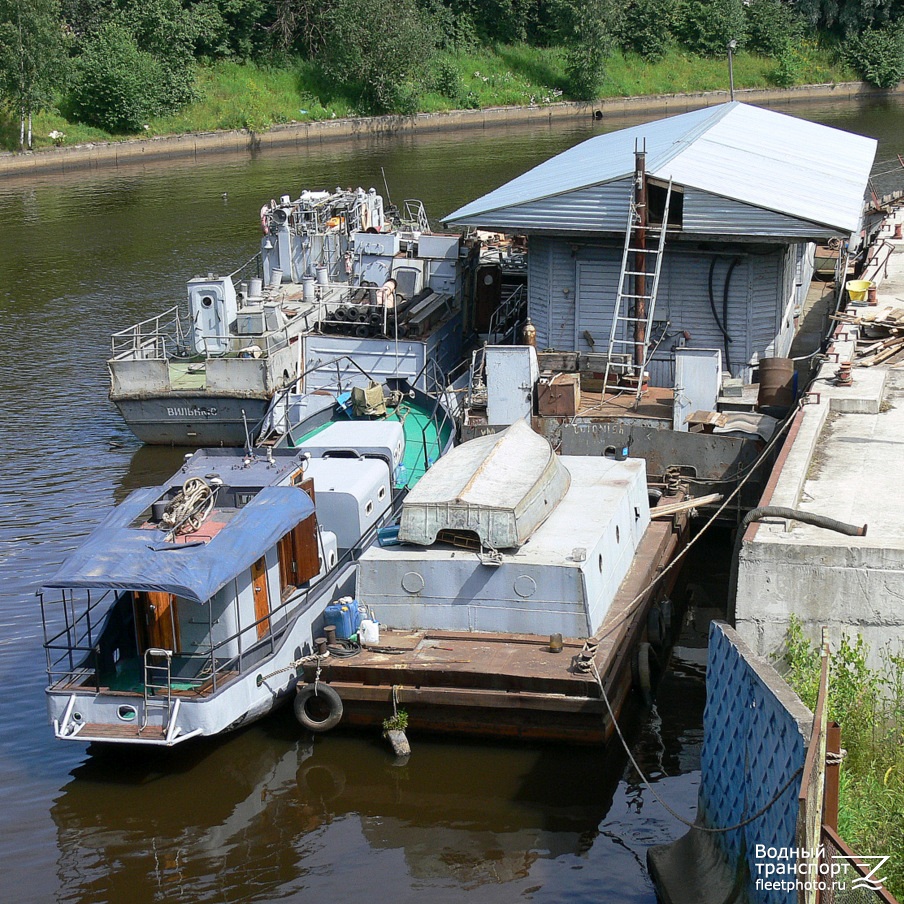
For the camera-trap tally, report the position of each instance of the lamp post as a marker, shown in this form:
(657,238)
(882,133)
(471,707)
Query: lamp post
(732,46)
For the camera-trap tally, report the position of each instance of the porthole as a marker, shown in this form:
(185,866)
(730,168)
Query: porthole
(412,582)
(332,559)
(76,717)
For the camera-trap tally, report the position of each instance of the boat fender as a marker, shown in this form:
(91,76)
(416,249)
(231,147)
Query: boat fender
(312,701)
(644,676)
(657,632)
(265,224)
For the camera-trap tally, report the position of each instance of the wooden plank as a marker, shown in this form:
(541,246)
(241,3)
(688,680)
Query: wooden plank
(481,697)
(121,731)
(470,637)
(669,509)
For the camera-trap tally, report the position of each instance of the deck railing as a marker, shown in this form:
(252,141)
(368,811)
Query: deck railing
(73,653)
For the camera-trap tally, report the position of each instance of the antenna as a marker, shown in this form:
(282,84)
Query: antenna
(386,185)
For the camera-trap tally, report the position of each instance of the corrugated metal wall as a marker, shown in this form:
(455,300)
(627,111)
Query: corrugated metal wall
(708,214)
(538,271)
(600,208)
(572,289)
(604,208)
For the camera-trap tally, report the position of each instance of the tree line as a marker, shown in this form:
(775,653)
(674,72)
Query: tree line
(117,63)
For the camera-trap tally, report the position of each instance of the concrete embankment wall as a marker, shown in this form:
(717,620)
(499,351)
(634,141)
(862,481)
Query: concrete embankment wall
(111,154)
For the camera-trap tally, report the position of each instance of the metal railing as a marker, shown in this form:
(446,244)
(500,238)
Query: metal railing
(155,338)
(508,316)
(81,646)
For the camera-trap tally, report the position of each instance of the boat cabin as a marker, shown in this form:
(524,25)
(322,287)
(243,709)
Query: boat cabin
(739,196)
(186,591)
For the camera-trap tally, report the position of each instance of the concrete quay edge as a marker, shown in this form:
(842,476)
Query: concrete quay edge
(302,134)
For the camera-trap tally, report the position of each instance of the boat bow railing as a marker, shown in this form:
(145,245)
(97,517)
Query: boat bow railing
(156,338)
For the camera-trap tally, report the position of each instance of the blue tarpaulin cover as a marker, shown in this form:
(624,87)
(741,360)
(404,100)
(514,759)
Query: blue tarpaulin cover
(119,556)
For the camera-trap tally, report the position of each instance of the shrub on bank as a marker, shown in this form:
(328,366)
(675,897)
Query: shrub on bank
(868,704)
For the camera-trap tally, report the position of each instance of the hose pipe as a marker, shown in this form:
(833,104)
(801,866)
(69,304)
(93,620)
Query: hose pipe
(780,511)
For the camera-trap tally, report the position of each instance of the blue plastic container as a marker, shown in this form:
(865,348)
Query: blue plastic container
(389,535)
(345,615)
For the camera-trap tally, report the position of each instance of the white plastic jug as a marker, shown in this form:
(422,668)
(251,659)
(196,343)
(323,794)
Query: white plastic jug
(369,632)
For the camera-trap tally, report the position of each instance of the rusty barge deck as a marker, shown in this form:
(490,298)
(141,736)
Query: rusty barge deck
(510,685)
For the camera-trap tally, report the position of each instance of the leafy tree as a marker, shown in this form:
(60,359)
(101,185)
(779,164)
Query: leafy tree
(32,58)
(706,26)
(388,64)
(878,54)
(229,28)
(646,26)
(137,65)
(846,16)
(591,29)
(773,27)
(115,82)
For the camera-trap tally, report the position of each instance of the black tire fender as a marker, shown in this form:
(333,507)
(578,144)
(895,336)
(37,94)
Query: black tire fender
(644,673)
(326,697)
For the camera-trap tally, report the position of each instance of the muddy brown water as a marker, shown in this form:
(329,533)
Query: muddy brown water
(269,813)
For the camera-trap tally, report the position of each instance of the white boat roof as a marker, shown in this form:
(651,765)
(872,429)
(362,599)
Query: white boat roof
(749,154)
(501,487)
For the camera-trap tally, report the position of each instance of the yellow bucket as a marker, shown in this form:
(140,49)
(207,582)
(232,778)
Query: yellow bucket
(858,289)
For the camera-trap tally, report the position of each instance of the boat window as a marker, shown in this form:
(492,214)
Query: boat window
(369,507)
(381,494)
(617,535)
(601,563)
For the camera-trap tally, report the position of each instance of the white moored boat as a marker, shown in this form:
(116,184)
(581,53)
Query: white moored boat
(184,611)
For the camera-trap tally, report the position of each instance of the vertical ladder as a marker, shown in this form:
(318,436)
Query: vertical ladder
(158,686)
(627,298)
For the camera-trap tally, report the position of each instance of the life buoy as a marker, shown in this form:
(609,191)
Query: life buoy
(317,707)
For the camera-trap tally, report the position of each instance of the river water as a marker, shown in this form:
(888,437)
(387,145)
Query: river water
(269,813)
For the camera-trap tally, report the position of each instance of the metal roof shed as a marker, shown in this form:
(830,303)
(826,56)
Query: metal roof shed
(744,172)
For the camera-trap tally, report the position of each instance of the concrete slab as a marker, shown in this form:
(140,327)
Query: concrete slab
(845,460)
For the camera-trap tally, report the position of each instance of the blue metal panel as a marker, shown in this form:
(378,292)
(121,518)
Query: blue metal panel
(538,287)
(709,214)
(752,745)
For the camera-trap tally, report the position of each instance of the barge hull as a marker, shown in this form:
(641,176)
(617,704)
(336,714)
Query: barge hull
(193,420)
(509,686)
